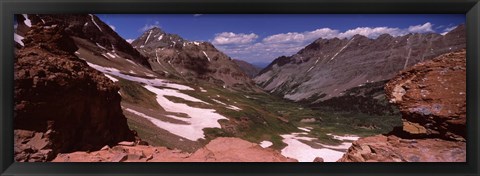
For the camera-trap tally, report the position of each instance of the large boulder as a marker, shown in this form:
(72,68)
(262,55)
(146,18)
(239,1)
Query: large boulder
(61,104)
(236,150)
(431,97)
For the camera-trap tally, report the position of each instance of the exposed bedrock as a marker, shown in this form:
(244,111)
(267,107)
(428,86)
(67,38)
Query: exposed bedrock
(61,104)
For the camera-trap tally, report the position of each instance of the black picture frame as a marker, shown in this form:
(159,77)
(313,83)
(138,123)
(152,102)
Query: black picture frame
(10,7)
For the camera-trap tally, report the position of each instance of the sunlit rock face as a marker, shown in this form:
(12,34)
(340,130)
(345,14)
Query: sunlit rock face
(61,104)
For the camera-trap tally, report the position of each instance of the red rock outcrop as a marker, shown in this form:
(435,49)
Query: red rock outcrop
(431,97)
(61,104)
(218,150)
(391,148)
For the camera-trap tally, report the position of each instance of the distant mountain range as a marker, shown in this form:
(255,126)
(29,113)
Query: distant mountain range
(330,68)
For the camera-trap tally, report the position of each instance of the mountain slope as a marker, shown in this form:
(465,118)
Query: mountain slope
(249,69)
(328,68)
(96,41)
(169,54)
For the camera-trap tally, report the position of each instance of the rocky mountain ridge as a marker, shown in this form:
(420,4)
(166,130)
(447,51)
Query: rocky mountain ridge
(171,55)
(87,27)
(329,68)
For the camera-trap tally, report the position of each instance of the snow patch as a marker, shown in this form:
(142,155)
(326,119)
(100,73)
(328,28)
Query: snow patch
(305,153)
(310,68)
(93,20)
(111,77)
(206,55)
(27,21)
(51,26)
(304,129)
(227,106)
(151,82)
(235,108)
(202,90)
(160,38)
(344,138)
(199,118)
(266,144)
(128,60)
(150,33)
(348,43)
(111,55)
(177,94)
(18,39)
(100,46)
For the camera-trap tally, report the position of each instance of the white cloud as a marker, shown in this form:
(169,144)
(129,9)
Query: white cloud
(226,38)
(328,33)
(150,26)
(371,32)
(112,26)
(301,37)
(448,29)
(427,27)
(130,40)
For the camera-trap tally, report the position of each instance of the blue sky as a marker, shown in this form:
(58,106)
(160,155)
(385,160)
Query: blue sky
(262,38)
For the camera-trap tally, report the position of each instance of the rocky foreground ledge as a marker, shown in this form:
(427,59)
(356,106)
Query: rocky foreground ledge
(218,150)
(431,97)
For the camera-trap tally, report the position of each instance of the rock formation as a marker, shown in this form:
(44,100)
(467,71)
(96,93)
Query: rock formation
(218,150)
(431,97)
(61,104)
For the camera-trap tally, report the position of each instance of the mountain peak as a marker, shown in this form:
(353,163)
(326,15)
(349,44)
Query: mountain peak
(157,38)
(155,30)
